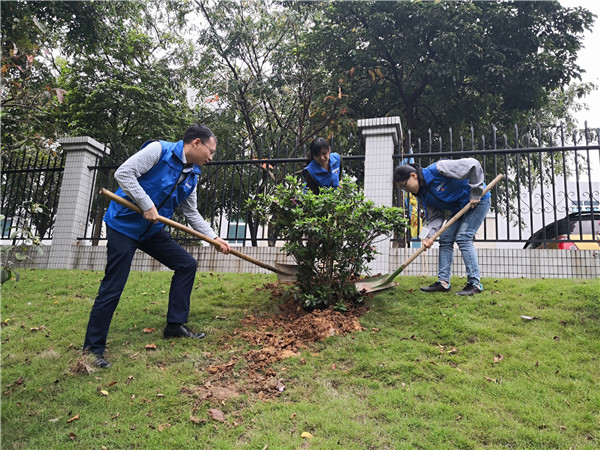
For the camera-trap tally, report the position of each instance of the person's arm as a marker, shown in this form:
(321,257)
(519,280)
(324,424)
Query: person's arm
(190,210)
(464,169)
(128,173)
(435,219)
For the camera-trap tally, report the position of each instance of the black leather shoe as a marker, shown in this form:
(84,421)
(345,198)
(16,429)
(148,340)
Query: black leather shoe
(436,287)
(182,331)
(102,363)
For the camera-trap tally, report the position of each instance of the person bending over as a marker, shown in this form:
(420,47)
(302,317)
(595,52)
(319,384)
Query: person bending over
(158,178)
(324,168)
(449,185)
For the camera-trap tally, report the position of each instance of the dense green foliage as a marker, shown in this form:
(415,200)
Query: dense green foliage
(330,235)
(425,373)
(278,72)
(449,64)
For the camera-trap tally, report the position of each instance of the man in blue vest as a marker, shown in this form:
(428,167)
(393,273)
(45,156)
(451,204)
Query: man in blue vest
(158,178)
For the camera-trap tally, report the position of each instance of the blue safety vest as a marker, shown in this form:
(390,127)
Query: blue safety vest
(326,178)
(160,183)
(445,193)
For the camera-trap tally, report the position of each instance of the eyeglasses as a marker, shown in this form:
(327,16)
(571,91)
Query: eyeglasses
(402,185)
(211,150)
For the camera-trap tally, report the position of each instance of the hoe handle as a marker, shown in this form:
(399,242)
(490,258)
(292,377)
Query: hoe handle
(115,198)
(457,216)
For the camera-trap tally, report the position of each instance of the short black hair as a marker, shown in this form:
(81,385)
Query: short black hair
(317,145)
(198,130)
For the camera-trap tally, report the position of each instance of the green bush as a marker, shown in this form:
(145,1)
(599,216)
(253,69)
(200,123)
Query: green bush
(330,235)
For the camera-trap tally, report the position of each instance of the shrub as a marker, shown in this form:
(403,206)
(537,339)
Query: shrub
(330,236)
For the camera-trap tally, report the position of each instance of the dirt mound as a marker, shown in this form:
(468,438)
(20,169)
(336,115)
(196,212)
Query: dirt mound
(281,335)
(277,336)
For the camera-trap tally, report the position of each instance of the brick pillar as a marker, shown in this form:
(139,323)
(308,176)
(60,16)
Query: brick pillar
(75,195)
(381,137)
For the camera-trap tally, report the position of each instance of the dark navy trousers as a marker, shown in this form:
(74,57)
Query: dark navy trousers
(120,251)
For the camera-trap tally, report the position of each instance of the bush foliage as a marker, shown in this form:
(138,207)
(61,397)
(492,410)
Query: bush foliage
(330,235)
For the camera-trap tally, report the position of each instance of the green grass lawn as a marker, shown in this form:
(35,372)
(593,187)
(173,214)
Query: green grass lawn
(428,371)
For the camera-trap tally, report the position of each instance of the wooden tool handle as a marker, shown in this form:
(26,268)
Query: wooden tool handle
(457,216)
(115,198)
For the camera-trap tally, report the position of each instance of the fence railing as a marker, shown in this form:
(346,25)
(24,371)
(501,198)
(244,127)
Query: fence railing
(551,191)
(30,191)
(552,185)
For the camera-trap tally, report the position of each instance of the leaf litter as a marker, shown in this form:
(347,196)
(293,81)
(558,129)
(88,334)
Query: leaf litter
(274,337)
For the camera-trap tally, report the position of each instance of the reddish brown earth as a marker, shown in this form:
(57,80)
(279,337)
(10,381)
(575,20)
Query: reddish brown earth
(274,337)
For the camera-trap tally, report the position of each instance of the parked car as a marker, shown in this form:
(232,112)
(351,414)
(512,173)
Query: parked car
(583,227)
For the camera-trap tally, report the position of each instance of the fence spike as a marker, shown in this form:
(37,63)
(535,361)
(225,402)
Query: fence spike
(429,141)
(472,138)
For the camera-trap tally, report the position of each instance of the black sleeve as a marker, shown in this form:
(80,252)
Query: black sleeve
(310,181)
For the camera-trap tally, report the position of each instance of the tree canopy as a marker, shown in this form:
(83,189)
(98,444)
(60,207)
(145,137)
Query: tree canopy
(442,64)
(127,71)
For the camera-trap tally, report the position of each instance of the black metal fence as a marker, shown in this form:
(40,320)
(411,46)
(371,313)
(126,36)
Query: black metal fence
(552,185)
(29,197)
(551,189)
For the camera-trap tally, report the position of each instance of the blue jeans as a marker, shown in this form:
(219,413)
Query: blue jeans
(120,251)
(462,232)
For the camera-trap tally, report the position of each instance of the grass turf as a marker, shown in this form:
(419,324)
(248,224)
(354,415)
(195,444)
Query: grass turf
(429,371)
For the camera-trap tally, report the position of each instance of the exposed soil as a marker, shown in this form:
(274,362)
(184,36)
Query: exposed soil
(276,337)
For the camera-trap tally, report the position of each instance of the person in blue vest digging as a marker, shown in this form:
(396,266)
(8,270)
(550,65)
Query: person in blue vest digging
(158,178)
(324,168)
(449,185)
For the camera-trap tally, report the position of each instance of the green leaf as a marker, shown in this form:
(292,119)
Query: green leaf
(20,257)
(4,275)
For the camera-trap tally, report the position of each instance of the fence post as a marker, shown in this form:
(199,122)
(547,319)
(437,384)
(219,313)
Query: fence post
(75,194)
(381,136)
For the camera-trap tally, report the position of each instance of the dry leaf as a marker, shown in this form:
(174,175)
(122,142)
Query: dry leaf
(491,379)
(306,435)
(216,415)
(104,393)
(149,330)
(293,415)
(498,358)
(150,346)
(75,417)
(164,427)
(72,436)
